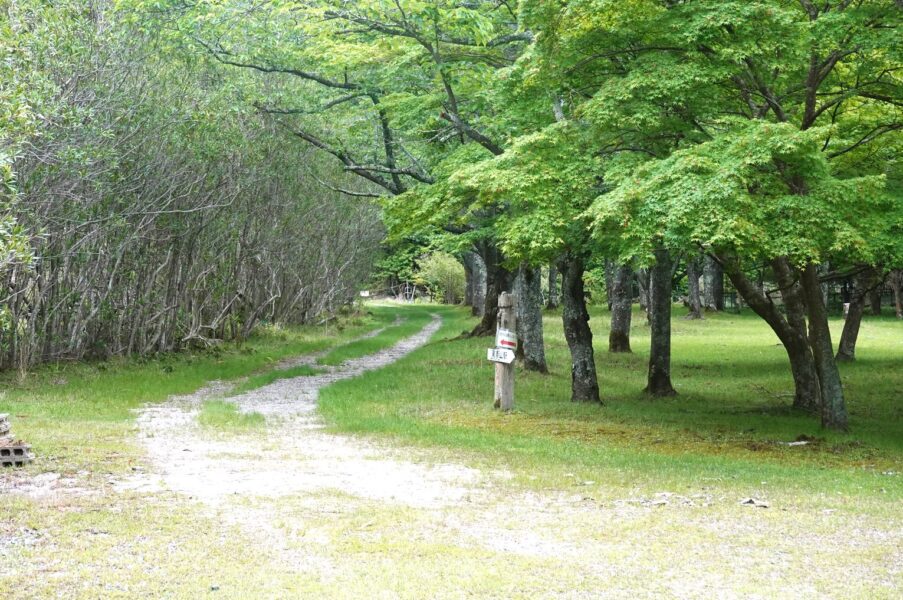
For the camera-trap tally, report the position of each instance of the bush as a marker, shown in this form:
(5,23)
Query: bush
(443,276)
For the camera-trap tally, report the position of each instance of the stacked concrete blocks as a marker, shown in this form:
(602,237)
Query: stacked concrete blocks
(13,453)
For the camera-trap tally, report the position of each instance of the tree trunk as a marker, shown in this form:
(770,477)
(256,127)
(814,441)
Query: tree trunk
(528,292)
(807,396)
(609,269)
(552,302)
(642,278)
(875,302)
(791,331)
(467,260)
(498,280)
(833,407)
(622,301)
(659,380)
(846,351)
(896,283)
(479,286)
(693,298)
(713,278)
(575,317)
(863,283)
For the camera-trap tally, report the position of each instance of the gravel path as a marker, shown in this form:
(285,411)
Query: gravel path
(296,454)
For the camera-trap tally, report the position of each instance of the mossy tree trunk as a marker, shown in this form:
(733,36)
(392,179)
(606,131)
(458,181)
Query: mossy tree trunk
(575,317)
(659,378)
(528,292)
(622,301)
(693,297)
(833,406)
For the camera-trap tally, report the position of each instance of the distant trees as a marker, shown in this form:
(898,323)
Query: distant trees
(443,275)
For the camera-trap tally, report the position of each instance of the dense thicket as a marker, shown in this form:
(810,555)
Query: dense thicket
(158,210)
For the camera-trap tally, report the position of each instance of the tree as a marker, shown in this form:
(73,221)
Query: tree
(693,82)
(443,275)
(546,180)
(162,212)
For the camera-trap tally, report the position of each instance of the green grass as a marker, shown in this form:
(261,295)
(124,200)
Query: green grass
(80,415)
(414,318)
(728,426)
(830,531)
(261,379)
(219,414)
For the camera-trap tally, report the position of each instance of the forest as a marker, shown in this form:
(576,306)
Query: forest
(193,183)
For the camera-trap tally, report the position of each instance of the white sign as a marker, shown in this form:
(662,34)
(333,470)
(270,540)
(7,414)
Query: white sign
(505,338)
(502,355)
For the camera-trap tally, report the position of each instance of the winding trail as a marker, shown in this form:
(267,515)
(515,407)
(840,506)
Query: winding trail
(296,454)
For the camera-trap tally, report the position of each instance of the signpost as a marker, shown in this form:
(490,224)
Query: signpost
(503,354)
(500,355)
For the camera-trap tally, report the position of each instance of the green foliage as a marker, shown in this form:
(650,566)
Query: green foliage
(731,193)
(443,275)
(545,181)
(397,263)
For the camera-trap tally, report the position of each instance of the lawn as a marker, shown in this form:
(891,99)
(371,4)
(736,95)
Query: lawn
(731,421)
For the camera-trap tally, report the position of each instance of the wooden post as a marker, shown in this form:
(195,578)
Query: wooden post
(504,373)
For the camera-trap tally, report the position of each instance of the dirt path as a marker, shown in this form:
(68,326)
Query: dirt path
(296,454)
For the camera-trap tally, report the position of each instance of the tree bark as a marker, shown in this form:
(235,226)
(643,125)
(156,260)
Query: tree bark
(552,301)
(713,278)
(875,302)
(467,260)
(642,278)
(863,283)
(659,379)
(791,330)
(846,351)
(575,317)
(498,280)
(807,396)
(693,298)
(896,283)
(609,269)
(622,301)
(528,292)
(479,286)
(833,407)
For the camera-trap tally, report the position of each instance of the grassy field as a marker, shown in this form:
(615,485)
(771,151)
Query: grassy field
(730,423)
(638,497)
